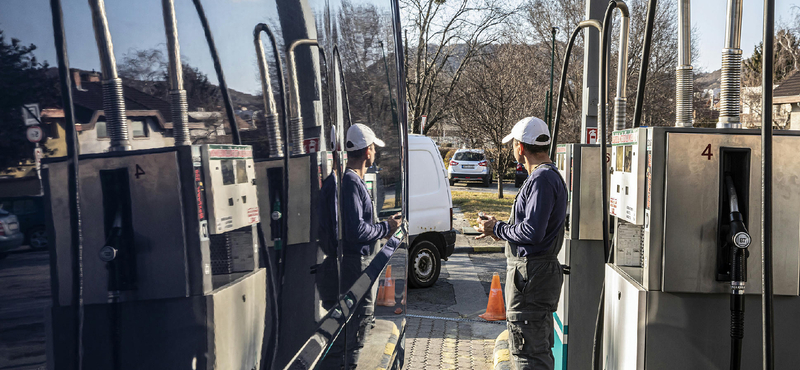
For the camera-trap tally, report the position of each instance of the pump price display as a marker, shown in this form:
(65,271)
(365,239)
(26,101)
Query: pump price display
(627,192)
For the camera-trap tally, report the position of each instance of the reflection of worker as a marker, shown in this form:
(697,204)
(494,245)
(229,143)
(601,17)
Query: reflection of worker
(533,236)
(360,231)
(327,274)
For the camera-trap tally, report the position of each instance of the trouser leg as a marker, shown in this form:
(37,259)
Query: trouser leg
(362,321)
(532,292)
(530,342)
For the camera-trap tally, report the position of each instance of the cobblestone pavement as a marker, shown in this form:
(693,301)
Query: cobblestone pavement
(450,344)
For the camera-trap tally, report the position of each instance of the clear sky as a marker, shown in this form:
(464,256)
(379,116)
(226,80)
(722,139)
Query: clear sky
(139,25)
(709,18)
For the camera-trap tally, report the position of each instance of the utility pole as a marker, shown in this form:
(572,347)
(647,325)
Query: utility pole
(549,105)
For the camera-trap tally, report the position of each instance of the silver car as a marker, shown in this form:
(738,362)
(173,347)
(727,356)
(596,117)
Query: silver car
(10,235)
(469,165)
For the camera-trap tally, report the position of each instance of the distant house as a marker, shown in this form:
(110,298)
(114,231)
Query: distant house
(787,96)
(449,134)
(149,122)
(149,117)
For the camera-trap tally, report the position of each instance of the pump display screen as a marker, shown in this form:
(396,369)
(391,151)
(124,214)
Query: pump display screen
(241,171)
(627,181)
(231,175)
(228,177)
(627,158)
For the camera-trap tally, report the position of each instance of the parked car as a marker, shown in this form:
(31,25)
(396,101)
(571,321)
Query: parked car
(430,219)
(469,165)
(10,235)
(520,176)
(30,214)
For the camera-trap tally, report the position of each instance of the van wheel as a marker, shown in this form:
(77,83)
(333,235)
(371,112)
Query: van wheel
(426,262)
(517,183)
(486,181)
(37,238)
(452,182)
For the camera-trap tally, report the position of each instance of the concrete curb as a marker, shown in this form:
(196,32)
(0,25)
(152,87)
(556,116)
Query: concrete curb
(502,355)
(388,352)
(488,249)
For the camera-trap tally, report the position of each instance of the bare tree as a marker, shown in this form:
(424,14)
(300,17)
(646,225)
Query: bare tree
(659,105)
(446,36)
(491,98)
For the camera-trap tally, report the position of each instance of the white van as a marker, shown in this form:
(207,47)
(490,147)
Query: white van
(430,215)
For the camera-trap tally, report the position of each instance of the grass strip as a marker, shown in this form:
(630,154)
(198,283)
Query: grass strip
(473,202)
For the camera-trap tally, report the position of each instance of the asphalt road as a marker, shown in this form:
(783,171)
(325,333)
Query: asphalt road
(24,296)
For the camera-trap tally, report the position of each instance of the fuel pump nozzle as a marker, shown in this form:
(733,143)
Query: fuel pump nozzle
(738,241)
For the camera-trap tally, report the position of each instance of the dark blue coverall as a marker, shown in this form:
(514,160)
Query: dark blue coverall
(534,235)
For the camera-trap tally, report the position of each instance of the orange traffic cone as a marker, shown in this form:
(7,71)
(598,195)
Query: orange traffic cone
(387,299)
(381,290)
(496,308)
(405,293)
(399,310)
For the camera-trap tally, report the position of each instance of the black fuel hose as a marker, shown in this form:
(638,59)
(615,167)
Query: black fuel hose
(738,272)
(737,310)
(267,358)
(652,5)
(275,276)
(223,86)
(563,81)
(767,320)
(284,200)
(76,238)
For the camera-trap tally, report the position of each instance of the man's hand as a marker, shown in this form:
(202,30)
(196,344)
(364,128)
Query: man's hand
(394,222)
(486,227)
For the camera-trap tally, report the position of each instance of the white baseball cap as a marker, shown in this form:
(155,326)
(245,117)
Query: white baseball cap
(527,130)
(360,136)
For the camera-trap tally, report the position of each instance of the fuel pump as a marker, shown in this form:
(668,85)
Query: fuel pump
(170,249)
(685,200)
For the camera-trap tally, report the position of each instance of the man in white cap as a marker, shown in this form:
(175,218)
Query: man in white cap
(533,236)
(361,231)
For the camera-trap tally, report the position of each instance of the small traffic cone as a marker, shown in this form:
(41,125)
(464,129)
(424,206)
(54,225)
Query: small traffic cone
(381,292)
(405,293)
(496,308)
(399,310)
(388,291)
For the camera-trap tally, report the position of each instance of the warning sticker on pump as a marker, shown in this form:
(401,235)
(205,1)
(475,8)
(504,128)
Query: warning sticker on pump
(253,215)
(229,151)
(622,137)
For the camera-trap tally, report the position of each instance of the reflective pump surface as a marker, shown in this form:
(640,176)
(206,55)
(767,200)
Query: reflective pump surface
(220,215)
